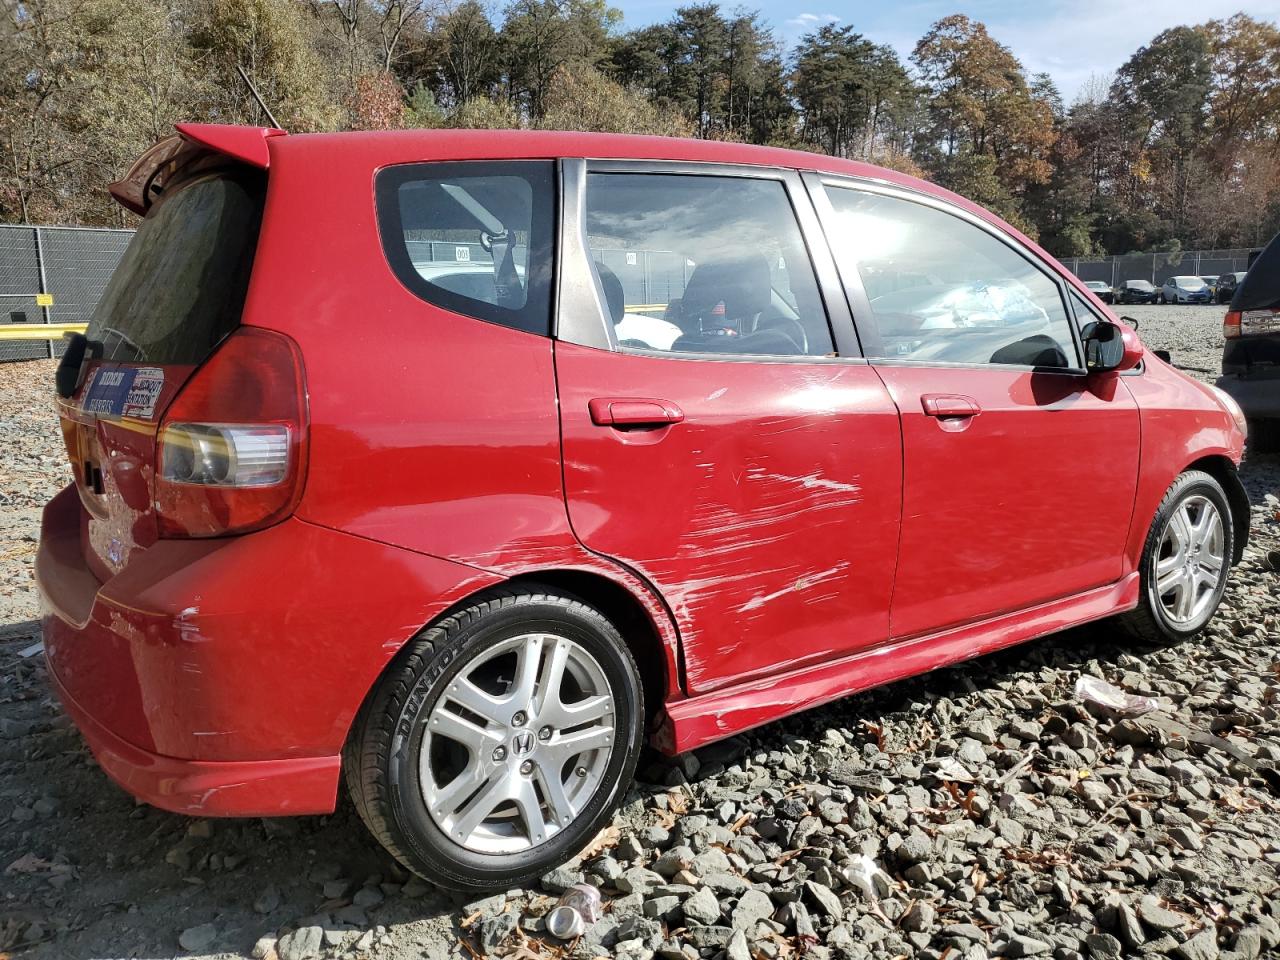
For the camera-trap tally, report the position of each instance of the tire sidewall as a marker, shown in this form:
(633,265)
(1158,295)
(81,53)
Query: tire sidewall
(439,857)
(1193,483)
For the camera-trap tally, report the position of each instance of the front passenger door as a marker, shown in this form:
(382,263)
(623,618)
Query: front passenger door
(1020,468)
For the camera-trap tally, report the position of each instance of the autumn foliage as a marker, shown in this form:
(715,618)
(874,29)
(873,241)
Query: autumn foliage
(1181,148)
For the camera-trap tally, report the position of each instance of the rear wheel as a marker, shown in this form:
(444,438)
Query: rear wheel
(500,740)
(1185,561)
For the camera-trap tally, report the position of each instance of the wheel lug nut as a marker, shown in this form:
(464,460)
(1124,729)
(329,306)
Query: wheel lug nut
(499,753)
(527,767)
(544,733)
(518,720)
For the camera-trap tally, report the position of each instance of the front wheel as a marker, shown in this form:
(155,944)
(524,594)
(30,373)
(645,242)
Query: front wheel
(499,741)
(1185,561)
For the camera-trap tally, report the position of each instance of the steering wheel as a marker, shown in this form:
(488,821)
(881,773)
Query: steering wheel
(795,327)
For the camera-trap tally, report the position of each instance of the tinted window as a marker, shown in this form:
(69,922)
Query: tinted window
(944,290)
(180,287)
(474,238)
(697,264)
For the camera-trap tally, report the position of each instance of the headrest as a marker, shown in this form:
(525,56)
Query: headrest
(742,284)
(614,298)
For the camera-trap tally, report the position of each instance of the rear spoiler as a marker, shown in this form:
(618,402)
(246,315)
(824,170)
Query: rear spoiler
(138,189)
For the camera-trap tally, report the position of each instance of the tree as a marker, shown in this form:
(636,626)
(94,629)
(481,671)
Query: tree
(85,86)
(541,36)
(1161,97)
(582,98)
(852,94)
(275,46)
(723,72)
(989,134)
(469,52)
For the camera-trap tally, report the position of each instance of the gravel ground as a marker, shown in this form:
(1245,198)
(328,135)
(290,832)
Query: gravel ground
(1006,818)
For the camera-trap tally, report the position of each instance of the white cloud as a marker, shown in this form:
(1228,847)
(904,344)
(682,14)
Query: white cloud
(807,20)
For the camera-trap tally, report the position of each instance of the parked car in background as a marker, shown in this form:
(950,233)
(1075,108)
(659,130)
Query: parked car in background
(1226,286)
(1185,290)
(1101,290)
(1251,353)
(466,539)
(1136,291)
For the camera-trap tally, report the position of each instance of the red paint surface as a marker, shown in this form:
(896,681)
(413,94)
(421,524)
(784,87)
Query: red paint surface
(793,531)
(767,518)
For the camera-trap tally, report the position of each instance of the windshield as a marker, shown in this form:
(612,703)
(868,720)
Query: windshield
(180,287)
(1189,283)
(1138,285)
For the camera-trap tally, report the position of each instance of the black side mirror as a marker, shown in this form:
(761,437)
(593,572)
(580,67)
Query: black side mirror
(1163,355)
(1131,322)
(1107,348)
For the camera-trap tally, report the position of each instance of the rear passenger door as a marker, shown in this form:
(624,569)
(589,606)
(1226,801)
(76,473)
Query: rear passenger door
(1020,468)
(718,438)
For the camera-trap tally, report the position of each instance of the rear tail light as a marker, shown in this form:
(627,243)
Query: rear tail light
(1251,322)
(1231,324)
(232,450)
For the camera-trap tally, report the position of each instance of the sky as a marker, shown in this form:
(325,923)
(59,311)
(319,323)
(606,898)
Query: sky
(1071,40)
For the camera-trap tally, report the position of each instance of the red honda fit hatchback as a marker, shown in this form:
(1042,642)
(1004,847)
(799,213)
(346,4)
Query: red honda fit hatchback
(462,464)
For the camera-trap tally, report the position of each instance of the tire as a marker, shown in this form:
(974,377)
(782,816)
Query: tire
(391,776)
(1161,300)
(1264,436)
(1159,617)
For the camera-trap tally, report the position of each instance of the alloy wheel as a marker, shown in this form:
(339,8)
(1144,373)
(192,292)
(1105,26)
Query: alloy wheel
(1190,563)
(517,744)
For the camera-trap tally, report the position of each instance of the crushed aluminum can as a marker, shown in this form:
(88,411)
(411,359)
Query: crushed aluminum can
(578,908)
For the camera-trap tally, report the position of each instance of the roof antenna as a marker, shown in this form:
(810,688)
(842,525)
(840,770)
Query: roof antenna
(257,96)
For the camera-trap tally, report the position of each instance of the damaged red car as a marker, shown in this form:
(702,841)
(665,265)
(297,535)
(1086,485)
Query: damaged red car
(458,466)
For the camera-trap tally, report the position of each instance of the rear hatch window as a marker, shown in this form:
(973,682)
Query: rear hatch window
(180,287)
(178,292)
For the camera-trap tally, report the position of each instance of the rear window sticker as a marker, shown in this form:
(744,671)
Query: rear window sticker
(142,397)
(124,391)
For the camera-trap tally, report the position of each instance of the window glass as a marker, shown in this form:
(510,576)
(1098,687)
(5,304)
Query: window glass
(945,291)
(1085,314)
(180,286)
(698,264)
(474,238)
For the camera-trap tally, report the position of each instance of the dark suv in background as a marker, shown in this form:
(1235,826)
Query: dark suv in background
(1225,288)
(1136,291)
(1251,354)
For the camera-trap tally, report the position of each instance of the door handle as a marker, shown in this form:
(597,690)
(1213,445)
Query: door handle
(633,412)
(949,405)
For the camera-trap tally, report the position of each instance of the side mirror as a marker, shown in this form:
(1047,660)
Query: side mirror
(1109,346)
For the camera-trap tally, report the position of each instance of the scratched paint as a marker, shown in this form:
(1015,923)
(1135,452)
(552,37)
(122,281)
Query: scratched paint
(767,519)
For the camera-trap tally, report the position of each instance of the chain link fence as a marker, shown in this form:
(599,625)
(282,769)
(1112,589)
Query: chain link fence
(53,275)
(1159,267)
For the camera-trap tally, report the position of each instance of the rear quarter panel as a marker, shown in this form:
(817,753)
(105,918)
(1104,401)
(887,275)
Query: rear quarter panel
(431,431)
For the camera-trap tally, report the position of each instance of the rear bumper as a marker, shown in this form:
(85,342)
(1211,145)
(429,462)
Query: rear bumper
(222,676)
(1259,397)
(257,788)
